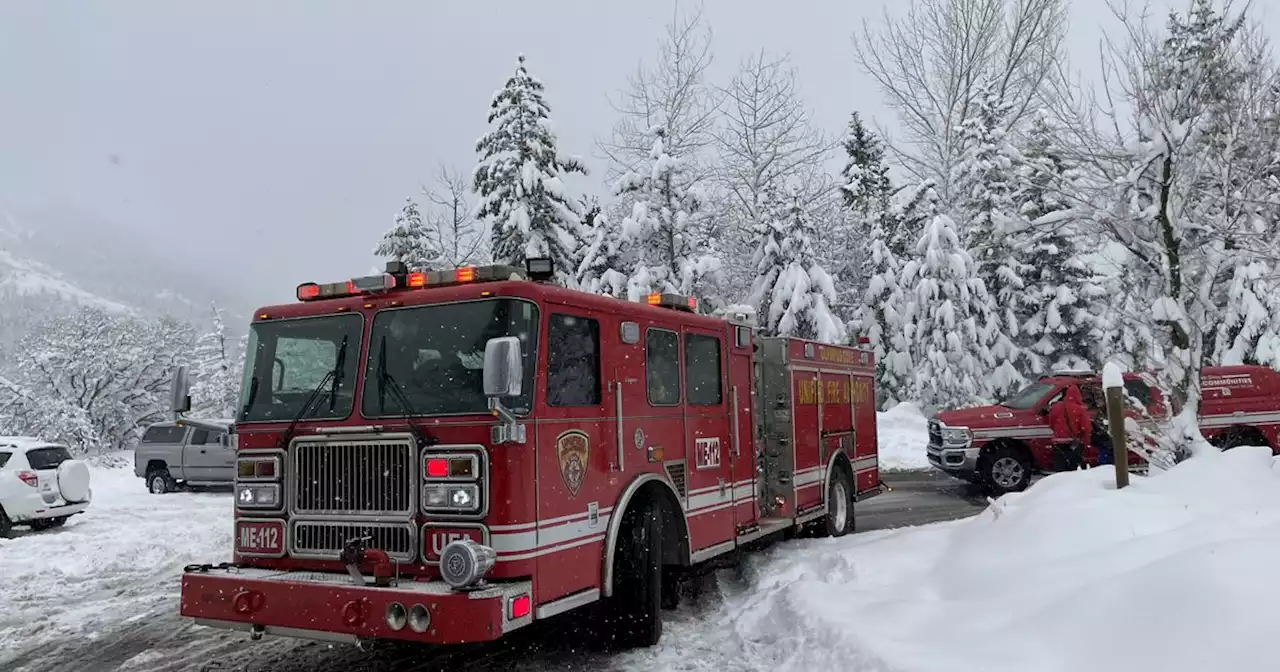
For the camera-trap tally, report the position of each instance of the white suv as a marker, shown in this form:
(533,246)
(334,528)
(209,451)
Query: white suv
(40,485)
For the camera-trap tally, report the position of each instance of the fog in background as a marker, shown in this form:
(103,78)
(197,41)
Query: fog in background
(263,144)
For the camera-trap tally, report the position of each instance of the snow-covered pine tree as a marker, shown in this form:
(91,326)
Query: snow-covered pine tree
(605,261)
(866,193)
(663,225)
(881,317)
(795,293)
(215,387)
(519,181)
(1059,328)
(409,240)
(945,299)
(985,182)
(912,208)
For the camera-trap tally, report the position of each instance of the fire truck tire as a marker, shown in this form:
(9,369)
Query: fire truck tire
(634,612)
(1005,469)
(839,519)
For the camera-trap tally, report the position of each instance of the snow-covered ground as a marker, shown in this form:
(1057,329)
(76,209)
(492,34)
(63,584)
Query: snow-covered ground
(903,434)
(118,560)
(1174,573)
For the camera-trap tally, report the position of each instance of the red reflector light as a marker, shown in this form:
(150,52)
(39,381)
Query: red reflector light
(417,280)
(520,607)
(693,303)
(31,478)
(308,291)
(437,468)
(465,274)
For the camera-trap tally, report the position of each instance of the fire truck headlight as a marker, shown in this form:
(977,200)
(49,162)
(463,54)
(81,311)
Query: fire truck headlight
(463,563)
(258,496)
(452,498)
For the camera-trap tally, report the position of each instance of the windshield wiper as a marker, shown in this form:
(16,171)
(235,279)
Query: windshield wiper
(335,375)
(384,379)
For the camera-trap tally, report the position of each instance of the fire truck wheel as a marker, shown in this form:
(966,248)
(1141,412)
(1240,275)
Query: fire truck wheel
(1006,469)
(839,519)
(635,610)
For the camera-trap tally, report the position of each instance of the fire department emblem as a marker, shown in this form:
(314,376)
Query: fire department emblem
(639,439)
(572,450)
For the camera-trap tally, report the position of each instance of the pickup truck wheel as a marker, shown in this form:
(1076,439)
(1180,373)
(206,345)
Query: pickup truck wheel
(634,612)
(1005,470)
(159,482)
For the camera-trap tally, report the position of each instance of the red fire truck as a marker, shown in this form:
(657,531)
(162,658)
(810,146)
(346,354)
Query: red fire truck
(445,457)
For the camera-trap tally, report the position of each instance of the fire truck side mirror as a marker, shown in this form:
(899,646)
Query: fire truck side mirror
(503,372)
(180,394)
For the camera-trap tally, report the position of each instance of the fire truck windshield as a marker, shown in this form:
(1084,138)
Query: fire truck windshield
(288,361)
(435,354)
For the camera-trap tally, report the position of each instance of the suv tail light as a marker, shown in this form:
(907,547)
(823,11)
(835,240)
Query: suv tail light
(31,478)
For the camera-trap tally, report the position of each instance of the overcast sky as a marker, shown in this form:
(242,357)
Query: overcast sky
(284,136)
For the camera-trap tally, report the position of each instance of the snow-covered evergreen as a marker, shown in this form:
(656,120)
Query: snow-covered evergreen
(662,228)
(1059,328)
(985,181)
(519,180)
(408,240)
(605,261)
(946,299)
(215,386)
(866,192)
(794,293)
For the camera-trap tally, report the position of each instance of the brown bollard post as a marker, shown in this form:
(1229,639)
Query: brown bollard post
(1119,446)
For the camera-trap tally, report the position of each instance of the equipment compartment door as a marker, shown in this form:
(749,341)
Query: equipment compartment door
(710,478)
(742,447)
(806,430)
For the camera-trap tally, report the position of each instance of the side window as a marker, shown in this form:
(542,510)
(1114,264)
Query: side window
(573,361)
(4,459)
(199,437)
(1092,395)
(1138,390)
(164,434)
(702,369)
(662,367)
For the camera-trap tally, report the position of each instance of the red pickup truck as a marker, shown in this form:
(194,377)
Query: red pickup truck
(1001,446)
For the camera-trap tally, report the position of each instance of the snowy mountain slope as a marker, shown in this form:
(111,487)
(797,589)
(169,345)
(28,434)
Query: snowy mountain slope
(75,257)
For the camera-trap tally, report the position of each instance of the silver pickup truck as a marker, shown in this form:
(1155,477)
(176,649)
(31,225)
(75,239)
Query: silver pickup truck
(171,456)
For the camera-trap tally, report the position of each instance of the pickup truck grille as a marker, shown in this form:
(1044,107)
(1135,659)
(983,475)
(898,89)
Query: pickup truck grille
(361,477)
(325,540)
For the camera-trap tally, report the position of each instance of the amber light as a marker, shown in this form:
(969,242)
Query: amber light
(417,280)
(465,274)
(655,299)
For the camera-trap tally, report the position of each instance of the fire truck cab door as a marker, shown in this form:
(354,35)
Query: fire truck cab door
(709,441)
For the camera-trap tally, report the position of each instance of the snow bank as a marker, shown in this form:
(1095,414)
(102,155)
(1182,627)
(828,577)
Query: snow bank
(118,561)
(1173,573)
(903,434)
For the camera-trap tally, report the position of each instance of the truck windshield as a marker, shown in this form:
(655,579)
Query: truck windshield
(289,359)
(435,355)
(1027,397)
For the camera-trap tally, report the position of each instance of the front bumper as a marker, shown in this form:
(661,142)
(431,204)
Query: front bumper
(328,606)
(955,460)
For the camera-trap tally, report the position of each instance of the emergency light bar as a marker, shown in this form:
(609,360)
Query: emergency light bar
(397,277)
(688,304)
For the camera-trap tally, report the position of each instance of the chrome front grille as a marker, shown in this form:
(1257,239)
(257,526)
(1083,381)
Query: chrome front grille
(323,540)
(353,477)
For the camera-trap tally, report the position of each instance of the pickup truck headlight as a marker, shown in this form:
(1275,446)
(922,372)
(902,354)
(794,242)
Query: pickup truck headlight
(956,436)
